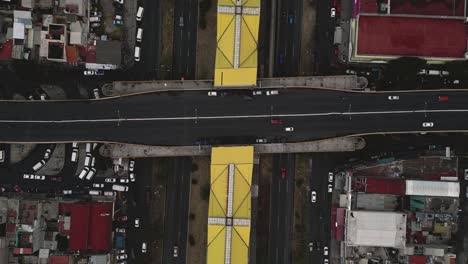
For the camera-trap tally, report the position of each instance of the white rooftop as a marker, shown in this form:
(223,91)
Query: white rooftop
(384,229)
(432,188)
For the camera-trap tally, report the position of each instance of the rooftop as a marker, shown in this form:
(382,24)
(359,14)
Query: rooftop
(236,51)
(384,229)
(229,207)
(410,36)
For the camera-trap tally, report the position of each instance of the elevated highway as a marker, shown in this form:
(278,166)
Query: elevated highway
(193,118)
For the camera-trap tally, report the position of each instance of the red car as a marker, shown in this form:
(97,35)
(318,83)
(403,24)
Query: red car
(443,98)
(283,173)
(122,218)
(276,122)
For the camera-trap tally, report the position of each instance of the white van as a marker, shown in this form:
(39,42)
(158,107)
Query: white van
(137,53)
(88,147)
(139,14)
(83,173)
(90,174)
(74,155)
(94,19)
(119,188)
(87,161)
(2,155)
(95,192)
(139,34)
(39,165)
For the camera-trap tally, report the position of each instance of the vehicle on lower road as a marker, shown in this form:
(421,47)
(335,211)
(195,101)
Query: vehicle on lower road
(313,196)
(175,252)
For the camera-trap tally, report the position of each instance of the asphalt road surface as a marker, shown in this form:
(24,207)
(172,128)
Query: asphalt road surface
(185,39)
(148,66)
(325,26)
(289,20)
(177,206)
(318,213)
(281,206)
(177,118)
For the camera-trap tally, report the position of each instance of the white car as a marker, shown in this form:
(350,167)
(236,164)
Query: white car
(325,251)
(43,96)
(96,93)
(325,261)
(137,222)
(175,252)
(332,12)
(123,180)
(47,154)
(28,176)
(121,257)
(109,193)
(98,185)
(212,93)
(257,92)
(427,124)
(110,180)
(89,72)
(39,177)
(74,155)
(272,92)
(313,196)
(289,129)
(261,140)
(131,166)
(393,97)
(119,1)
(311,246)
(143,247)
(330,188)
(330,176)
(120,230)
(132,176)
(67,192)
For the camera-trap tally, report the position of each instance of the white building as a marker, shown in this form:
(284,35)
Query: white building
(381,229)
(433,188)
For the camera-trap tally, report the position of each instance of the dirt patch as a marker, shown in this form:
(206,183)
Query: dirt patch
(198,216)
(263,215)
(300,203)
(113,32)
(167,21)
(306,64)
(206,45)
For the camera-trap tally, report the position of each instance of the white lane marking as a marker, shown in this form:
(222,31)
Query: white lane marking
(179,118)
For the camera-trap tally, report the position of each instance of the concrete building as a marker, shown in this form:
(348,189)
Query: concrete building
(384,229)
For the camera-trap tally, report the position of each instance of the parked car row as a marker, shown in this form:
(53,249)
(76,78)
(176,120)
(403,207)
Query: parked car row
(139,36)
(88,171)
(34,177)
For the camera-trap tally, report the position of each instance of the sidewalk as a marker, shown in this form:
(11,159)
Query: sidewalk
(142,151)
(345,82)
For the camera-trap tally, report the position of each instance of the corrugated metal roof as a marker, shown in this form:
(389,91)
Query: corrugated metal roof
(384,229)
(433,188)
(101,227)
